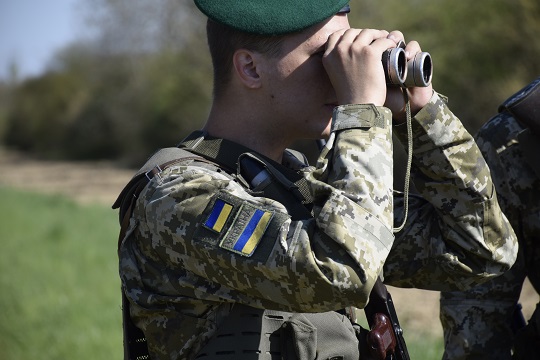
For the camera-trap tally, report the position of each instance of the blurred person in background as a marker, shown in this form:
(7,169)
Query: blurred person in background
(486,322)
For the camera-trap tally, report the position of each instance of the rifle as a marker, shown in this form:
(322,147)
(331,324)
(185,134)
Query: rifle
(385,339)
(518,320)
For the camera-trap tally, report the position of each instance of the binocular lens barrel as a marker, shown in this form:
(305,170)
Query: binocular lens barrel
(395,66)
(414,73)
(419,71)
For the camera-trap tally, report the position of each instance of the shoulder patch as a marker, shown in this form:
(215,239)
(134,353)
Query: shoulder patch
(234,225)
(221,210)
(247,230)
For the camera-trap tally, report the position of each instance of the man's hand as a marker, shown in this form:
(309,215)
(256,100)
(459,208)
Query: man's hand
(353,62)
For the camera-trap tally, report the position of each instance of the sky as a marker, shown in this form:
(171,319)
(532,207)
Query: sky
(31,31)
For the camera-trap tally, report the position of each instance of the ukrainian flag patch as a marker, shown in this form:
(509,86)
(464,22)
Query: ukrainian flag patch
(247,230)
(219,215)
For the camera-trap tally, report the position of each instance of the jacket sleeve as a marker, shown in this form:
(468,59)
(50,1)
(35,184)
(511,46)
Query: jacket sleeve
(456,235)
(198,236)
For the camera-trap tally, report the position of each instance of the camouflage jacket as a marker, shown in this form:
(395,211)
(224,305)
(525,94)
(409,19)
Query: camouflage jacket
(478,323)
(199,241)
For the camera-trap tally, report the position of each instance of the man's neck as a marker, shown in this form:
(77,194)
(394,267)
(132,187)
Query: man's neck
(245,129)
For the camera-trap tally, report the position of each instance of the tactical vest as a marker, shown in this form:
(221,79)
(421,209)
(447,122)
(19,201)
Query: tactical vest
(248,333)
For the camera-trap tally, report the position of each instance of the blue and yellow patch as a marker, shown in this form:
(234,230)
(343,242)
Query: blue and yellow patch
(218,216)
(247,230)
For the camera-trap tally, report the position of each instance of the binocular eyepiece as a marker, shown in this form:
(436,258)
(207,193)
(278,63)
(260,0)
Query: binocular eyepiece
(400,72)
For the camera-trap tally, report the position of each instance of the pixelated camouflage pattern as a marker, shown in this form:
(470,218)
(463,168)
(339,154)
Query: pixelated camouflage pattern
(181,284)
(458,205)
(477,323)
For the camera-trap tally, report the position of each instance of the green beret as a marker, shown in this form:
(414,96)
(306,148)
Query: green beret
(270,17)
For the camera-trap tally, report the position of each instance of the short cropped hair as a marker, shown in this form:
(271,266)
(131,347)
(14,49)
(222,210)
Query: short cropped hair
(223,41)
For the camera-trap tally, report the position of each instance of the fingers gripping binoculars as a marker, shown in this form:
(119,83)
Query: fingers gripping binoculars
(400,72)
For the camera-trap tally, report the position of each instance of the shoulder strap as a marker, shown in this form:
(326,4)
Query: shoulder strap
(524,105)
(228,154)
(161,160)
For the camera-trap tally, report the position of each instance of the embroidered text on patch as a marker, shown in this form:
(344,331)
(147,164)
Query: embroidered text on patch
(218,216)
(247,230)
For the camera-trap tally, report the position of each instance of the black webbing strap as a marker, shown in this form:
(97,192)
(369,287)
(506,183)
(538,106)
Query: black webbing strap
(227,153)
(524,105)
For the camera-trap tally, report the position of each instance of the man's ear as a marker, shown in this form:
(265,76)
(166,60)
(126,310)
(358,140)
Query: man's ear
(245,67)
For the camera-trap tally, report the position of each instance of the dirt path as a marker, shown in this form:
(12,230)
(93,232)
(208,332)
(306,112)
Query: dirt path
(92,182)
(100,183)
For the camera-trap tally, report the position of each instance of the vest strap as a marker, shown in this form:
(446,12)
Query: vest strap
(525,106)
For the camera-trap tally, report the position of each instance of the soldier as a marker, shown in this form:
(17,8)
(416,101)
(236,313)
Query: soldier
(243,251)
(480,323)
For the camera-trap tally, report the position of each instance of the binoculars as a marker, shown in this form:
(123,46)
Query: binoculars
(400,72)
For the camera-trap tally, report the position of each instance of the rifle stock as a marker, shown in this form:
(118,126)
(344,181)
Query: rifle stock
(385,339)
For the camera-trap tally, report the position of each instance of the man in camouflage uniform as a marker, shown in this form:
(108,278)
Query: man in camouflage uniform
(478,324)
(207,244)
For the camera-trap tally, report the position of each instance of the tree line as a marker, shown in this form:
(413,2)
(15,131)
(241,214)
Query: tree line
(144,80)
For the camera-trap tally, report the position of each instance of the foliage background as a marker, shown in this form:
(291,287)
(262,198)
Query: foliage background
(143,80)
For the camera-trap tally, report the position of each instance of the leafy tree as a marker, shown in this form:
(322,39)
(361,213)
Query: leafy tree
(41,109)
(143,79)
(482,51)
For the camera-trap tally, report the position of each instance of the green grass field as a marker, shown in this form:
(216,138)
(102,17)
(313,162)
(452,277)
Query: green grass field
(59,296)
(59,288)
